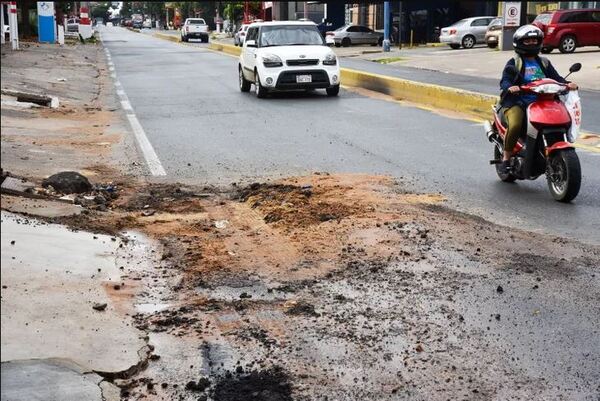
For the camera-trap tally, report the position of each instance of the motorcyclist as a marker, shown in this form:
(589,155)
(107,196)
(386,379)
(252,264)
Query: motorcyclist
(527,42)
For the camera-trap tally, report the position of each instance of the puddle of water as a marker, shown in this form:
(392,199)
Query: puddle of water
(150,308)
(256,291)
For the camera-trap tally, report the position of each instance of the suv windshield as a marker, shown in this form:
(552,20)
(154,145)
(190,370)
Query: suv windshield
(196,22)
(543,19)
(290,35)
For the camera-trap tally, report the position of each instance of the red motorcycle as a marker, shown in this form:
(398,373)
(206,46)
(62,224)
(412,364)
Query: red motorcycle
(547,146)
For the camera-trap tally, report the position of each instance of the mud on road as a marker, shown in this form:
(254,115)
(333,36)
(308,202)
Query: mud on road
(344,287)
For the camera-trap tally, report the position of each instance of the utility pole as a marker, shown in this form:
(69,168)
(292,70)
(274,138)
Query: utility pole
(386,26)
(400,25)
(2,21)
(305,10)
(13,25)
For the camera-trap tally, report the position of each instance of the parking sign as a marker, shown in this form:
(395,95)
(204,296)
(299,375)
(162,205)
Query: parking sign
(512,13)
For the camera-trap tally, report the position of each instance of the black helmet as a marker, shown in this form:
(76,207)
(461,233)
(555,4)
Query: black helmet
(528,32)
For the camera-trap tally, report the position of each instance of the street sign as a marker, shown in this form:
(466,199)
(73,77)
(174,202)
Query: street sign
(46,23)
(512,13)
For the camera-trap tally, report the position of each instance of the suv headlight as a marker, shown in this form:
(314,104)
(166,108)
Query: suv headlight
(271,60)
(330,59)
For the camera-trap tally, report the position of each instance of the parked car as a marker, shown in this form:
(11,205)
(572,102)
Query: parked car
(147,23)
(240,35)
(194,28)
(466,32)
(492,35)
(355,35)
(137,24)
(73,25)
(569,29)
(287,55)
(127,22)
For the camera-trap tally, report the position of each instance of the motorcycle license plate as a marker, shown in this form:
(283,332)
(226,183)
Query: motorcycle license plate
(303,79)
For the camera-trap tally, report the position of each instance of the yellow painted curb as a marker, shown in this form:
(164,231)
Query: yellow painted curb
(441,97)
(171,38)
(225,48)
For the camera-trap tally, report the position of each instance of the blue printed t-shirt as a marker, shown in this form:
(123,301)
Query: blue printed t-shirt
(532,72)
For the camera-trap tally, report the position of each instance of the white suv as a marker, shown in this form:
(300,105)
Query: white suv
(286,55)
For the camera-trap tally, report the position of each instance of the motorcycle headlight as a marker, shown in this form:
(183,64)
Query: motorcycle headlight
(548,88)
(271,60)
(330,59)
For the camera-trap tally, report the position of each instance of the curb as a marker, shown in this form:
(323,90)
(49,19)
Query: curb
(442,97)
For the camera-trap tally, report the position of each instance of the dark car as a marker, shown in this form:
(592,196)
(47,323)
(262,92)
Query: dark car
(569,29)
(137,23)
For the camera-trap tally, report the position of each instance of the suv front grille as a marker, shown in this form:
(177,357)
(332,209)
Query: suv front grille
(289,77)
(303,62)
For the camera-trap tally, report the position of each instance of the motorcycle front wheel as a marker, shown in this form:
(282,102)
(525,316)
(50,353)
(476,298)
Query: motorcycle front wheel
(564,175)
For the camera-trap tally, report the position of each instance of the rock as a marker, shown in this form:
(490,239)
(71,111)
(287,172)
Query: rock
(419,348)
(68,182)
(201,385)
(499,290)
(12,242)
(99,307)
(245,295)
(100,200)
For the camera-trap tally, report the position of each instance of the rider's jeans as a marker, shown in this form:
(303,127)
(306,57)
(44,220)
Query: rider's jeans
(515,117)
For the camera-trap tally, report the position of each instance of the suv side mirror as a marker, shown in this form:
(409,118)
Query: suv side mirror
(575,67)
(251,43)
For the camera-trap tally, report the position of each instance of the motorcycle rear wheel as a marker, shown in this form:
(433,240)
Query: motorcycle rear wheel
(505,177)
(564,175)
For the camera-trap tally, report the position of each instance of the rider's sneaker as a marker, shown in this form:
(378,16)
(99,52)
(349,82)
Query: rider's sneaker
(504,167)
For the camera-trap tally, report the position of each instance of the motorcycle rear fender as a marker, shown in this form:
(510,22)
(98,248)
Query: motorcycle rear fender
(558,146)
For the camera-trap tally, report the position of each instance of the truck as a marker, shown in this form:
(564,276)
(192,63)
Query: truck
(194,28)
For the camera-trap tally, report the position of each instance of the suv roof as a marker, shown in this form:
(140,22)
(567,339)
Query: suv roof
(573,10)
(277,23)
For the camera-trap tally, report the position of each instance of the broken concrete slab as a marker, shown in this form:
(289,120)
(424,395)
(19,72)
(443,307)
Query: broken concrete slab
(53,380)
(53,276)
(36,98)
(39,207)
(16,186)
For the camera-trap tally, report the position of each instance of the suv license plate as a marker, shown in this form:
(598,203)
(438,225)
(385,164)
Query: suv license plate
(302,79)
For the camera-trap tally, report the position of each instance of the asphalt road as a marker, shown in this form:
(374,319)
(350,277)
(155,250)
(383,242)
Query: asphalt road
(204,130)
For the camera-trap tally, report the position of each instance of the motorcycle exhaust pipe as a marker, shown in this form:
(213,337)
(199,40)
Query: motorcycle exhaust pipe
(489,131)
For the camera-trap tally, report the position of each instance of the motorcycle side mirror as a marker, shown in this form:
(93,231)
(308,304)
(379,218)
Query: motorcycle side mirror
(575,67)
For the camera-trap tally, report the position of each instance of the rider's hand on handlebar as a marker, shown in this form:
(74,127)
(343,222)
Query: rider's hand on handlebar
(572,86)
(514,89)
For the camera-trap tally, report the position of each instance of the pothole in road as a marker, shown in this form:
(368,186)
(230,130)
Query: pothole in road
(345,282)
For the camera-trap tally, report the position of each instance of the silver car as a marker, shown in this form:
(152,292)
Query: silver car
(240,35)
(466,32)
(355,35)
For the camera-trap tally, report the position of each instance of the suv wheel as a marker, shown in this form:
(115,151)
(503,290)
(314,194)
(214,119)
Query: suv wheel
(568,44)
(468,41)
(346,42)
(333,91)
(260,90)
(244,83)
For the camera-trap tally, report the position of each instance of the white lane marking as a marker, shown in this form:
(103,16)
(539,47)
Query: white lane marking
(126,105)
(152,159)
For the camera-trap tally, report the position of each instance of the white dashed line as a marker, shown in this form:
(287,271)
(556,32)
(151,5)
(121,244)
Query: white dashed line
(152,160)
